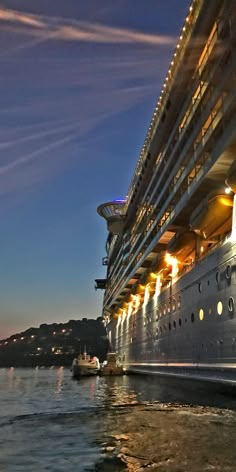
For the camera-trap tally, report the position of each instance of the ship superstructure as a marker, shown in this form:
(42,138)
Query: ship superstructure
(170,289)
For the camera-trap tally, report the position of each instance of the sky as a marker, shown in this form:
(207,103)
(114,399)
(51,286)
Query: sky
(79,82)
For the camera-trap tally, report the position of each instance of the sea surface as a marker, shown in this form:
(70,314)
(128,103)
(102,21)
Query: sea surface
(51,422)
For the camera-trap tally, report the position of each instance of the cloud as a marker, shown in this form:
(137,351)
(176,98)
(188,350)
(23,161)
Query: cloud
(65,29)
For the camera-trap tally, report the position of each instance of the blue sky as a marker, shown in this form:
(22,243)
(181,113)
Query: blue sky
(79,82)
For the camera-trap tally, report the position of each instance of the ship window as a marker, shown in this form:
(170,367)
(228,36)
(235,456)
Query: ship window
(174,324)
(201,314)
(228,272)
(180,322)
(200,287)
(231,304)
(174,305)
(219,308)
(192,317)
(217,277)
(179,302)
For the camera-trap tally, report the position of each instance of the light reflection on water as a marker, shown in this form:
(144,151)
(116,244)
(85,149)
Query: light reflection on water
(48,421)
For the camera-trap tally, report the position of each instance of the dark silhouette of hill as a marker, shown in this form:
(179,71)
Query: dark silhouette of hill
(54,344)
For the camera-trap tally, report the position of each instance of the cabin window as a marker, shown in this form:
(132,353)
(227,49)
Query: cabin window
(201,314)
(180,322)
(200,287)
(217,277)
(219,308)
(228,272)
(231,304)
(192,317)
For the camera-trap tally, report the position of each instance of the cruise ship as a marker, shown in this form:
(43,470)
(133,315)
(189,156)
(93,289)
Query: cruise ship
(170,288)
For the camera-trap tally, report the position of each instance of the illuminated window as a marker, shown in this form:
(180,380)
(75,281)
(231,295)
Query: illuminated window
(219,308)
(201,314)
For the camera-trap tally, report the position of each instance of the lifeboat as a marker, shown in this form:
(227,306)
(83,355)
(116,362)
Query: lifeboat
(182,245)
(213,216)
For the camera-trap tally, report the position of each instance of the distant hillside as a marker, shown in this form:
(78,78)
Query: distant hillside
(54,344)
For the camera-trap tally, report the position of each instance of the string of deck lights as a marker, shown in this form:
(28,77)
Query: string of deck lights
(185,33)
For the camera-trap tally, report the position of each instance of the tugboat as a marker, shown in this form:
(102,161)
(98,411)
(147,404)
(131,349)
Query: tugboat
(112,365)
(85,365)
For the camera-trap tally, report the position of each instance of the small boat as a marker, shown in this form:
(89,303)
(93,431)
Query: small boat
(85,365)
(112,366)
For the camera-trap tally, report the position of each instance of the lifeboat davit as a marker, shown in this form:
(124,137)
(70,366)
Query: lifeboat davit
(213,216)
(182,245)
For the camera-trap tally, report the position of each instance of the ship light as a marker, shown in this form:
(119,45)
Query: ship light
(172,261)
(146,294)
(158,286)
(228,190)
(136,301)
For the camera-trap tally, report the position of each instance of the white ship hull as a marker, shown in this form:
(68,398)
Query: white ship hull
(172,336)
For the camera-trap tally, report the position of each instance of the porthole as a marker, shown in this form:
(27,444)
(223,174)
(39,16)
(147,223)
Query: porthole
(228,272)
(169,326)
(231,304)
(219,308)
(174,305)
(192,317)
(180,322)
(201,314)
(217,277)
(174,324)
(169,307)
(200,287)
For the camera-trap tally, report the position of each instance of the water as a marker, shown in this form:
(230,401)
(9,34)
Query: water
(50,422)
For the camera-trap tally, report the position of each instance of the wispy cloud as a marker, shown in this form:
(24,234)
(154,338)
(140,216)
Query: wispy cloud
(46,27)
(56,103)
